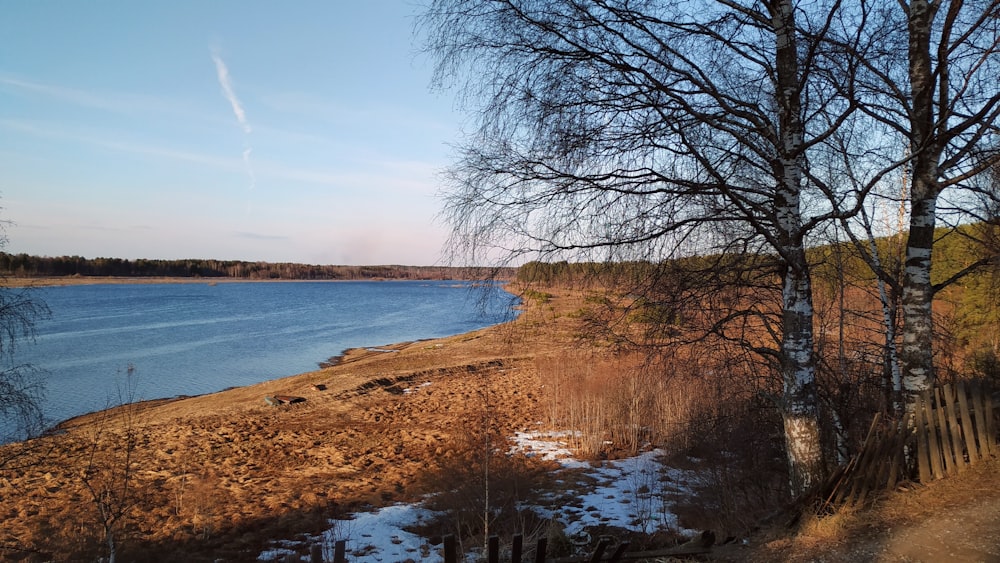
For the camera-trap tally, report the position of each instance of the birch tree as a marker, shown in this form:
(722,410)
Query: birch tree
(934,86)
(953,67)
(650,129)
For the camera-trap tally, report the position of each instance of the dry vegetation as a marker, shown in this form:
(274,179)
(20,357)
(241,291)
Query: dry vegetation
(217,476)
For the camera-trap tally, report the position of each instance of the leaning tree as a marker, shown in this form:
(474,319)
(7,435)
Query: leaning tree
(655,129)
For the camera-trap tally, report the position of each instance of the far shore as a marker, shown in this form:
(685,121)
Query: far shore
(55,281)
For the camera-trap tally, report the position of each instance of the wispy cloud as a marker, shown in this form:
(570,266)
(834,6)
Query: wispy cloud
(370,176)
(48,131)
(110,101)
(222,71)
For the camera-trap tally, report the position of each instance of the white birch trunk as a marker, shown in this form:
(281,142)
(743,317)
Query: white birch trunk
(799,404)
(917,355)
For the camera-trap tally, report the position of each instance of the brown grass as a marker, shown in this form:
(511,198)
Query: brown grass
(222,474)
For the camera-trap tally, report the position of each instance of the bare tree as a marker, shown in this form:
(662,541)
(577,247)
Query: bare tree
(653,129)
(110,464)
(933,85)
(21,385)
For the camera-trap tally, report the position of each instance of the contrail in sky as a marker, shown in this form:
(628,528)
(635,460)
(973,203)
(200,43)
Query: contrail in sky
(227,89)
(241,116)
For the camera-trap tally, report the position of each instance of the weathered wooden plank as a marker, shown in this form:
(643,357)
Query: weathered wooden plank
(602,546)
(875,475)
(933,445)
(516,548)
(978,404)
(991,420)
(450,550)
(540,547)
(893,456)
(493,549)
(899,435)
(846,478)
(619,552)
(951,413)
(854,479)
(947,451)
(835,485)
(923,456)
(862,478)
(968,432)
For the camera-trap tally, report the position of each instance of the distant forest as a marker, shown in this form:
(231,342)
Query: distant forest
(27,266)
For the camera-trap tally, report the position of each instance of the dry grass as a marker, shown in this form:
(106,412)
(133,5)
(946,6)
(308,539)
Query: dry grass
(221,474)
(619,405)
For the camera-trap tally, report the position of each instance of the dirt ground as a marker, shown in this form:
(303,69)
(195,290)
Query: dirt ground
(219,475)
(952,520)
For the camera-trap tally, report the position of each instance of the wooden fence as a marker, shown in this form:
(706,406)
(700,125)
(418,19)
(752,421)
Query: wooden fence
(953,426)
(700,545)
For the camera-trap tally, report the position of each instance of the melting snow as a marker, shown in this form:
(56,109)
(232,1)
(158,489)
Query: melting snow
(636,493)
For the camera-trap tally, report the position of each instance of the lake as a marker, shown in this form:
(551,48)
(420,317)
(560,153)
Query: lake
(195,338)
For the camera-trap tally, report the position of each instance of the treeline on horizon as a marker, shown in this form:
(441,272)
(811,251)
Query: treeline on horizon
(954,250)
(27,266)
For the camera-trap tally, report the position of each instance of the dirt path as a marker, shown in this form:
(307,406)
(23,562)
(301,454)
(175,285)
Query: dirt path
(961,533)
(953,520)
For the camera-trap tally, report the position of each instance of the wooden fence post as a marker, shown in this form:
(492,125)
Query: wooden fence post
(942,421)
(450,550)
(515,549)
(540,547)
(493,549)
(933,445)
(951,413)
(967,428)
(923,456)
(979,409)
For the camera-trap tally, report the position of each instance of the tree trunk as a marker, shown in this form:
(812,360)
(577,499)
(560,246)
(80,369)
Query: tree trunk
(799,405)
(917,352)
(112,548)
(917,356)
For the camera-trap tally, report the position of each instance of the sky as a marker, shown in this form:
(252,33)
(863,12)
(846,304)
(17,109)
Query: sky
(300,131)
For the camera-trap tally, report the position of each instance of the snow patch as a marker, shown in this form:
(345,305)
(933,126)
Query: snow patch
(636,493)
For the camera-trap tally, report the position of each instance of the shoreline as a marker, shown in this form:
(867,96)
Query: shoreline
(54,421)
(61,281)
(374,429)
(356,354)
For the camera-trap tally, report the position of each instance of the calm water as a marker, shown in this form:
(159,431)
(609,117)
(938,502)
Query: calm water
(188,339)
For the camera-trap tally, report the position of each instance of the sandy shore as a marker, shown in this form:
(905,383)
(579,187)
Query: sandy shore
(221,474)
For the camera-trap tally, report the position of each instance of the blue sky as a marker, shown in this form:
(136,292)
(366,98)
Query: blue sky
(281,131)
